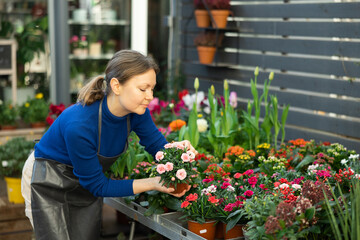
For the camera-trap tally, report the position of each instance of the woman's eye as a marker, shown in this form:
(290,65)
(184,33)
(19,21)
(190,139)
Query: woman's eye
(143,90)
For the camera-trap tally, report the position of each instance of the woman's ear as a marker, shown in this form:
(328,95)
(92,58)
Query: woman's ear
(115,86)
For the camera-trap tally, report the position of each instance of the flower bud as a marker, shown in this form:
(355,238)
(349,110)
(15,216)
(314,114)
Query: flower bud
(271,76)
(256,72)
(226,85)
(171,105)
(196,83)
(212,89)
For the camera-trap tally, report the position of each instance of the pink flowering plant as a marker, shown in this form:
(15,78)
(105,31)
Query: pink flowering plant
(175,165)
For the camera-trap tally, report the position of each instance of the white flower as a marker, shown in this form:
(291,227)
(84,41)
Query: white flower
(4,163)
(344,161)
(1,102)
(202,125)
(190,99)
(284,185)
(212,188)
(357,176)
(204,191)
(230,189)
(296,186)
(354,156)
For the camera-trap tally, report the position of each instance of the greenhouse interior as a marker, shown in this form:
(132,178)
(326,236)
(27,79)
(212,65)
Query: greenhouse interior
(179,119)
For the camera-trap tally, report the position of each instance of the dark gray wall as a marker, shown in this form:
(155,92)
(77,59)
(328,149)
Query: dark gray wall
(312,46)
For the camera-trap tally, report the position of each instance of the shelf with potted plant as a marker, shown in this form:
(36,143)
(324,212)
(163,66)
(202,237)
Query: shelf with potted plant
(216,12)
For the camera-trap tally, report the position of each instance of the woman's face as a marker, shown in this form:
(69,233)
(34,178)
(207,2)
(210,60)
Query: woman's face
(135,95)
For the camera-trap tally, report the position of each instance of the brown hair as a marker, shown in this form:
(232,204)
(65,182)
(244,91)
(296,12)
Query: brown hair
(124,65)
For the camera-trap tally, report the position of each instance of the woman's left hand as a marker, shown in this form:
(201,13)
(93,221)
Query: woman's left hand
(186,144)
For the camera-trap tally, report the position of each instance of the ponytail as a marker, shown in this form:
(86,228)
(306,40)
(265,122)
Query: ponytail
(92,91)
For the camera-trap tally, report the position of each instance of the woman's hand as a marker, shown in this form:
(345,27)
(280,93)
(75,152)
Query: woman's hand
(159,187)
(186,144)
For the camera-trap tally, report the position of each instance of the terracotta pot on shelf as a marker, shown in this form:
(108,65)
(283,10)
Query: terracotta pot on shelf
(220,18)
(205,230)
(38,124)
(206,54)
(8,127)
(180,187)
(235,233)
(219,233)
(202,18)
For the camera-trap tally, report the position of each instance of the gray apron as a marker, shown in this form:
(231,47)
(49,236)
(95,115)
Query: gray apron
(62,209)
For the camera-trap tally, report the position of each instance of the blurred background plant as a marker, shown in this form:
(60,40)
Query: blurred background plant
(13,155)
(35,110)
(8,114)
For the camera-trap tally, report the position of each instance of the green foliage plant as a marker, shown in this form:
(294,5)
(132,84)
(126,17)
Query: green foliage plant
(252,116)
(13,155)
(344,212)
(8,113)
(224,124)
(35,110)
(191,132)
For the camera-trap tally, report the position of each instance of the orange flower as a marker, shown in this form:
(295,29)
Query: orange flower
(177,124)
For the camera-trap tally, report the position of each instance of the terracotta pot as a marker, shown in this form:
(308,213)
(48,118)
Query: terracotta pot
(38,125)
(205,230)
(180,187)
(8,127)
(206,54)
(219,234)
(202,18)
(234,233)
(220,18)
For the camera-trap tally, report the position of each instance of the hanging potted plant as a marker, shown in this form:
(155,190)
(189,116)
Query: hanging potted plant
(206,44)
(202,16)
(13,155)
(220,10)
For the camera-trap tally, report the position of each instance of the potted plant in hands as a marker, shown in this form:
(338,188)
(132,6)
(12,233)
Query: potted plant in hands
(13,155)
(35,111)
(220,10)
(175,166)
(8,115)
(202,16)
(206,44)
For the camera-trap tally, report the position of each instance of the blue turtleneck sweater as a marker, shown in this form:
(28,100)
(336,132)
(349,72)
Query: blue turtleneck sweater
(73,140)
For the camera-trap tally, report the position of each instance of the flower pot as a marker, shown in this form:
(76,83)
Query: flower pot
(180,187)
(80,52)
(219,233)
(205,230)
(14,190)
(206,54)
(8,127)
(38,124)
(220,18)
(202,18)
(245,229)
(95,49)
(235,233)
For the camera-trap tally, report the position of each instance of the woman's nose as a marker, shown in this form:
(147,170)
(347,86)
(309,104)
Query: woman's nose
(149,95)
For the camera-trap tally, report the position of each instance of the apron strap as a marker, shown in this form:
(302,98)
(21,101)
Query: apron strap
(99,128)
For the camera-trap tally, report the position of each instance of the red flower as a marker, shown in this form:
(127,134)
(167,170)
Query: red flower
(183,93)
(213,199)
(184,204)
(237,175)
(252,181)
(248,193)
(192,197)
(277,184)
(249,172)
(262,186)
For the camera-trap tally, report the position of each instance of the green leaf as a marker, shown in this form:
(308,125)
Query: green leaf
(306,161)
(309,213)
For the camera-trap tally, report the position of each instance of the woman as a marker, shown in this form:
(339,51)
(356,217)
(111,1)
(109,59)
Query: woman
(63,179)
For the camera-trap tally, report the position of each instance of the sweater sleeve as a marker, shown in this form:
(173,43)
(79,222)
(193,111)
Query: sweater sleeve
(149,134)
(81,144)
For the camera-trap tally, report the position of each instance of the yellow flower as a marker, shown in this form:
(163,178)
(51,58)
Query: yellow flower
(27,104)
(196,83)
(200,115)
(39,96)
